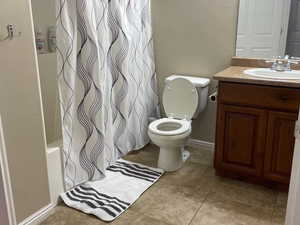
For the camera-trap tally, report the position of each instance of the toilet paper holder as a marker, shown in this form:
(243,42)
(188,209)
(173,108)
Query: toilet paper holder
(213,97)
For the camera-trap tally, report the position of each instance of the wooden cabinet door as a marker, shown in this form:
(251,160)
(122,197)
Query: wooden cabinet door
(241,133)
(280,146)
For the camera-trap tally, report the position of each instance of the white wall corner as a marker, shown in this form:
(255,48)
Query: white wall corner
(199,144)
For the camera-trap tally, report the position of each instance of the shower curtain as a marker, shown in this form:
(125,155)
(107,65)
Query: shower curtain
(107,82)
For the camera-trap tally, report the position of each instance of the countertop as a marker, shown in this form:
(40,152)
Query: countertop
(236,74)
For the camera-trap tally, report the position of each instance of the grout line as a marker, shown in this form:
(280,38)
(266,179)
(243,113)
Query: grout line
(205,198)
(199,208)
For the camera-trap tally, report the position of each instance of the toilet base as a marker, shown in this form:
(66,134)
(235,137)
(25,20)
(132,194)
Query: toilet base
(172,159)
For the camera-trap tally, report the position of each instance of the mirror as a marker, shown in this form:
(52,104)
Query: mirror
(268,28)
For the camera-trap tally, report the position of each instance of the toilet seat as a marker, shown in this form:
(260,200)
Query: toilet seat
(169,127)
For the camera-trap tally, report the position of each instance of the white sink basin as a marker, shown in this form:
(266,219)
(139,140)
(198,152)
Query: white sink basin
(271,74)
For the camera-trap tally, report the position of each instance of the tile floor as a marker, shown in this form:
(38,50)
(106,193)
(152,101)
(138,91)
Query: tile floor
(190,196)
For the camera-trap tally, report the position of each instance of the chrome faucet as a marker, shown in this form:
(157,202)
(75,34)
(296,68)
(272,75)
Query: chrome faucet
(281,64)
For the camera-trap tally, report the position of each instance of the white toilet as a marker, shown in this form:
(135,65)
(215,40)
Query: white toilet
(184,97)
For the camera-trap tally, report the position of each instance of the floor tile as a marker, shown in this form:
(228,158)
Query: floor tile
(204,157)
(279,212)
(282,198)
(250,194)
(190,175)
(145,220)
(278,216)
(66,216)
(217,211)
(171,204)
(193,195)
(132,217)
(148,156)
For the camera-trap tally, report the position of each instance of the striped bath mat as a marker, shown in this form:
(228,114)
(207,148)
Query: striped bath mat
(108,198)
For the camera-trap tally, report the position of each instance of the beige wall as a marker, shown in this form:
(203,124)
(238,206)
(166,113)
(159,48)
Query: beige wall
(20,108)
(194,37)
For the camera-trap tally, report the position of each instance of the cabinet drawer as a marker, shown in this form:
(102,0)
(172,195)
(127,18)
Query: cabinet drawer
(259,96)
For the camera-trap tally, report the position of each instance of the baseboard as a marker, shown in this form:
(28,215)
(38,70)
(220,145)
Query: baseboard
(39,216)
(203,145)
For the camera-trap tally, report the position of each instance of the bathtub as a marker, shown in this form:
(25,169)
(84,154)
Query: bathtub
(55,170)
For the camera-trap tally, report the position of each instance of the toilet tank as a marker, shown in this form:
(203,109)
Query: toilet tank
(202,86)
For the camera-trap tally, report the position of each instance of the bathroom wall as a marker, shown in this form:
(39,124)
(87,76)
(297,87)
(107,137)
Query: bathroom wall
(194,37)
(21,111)
(43,17)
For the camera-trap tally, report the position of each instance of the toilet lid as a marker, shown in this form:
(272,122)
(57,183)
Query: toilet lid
(180,99)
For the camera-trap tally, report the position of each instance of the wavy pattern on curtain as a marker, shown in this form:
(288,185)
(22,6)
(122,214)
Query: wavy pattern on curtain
(107,82)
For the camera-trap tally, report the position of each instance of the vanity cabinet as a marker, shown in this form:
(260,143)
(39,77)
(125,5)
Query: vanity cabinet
(255,132)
